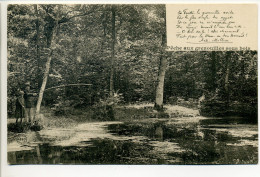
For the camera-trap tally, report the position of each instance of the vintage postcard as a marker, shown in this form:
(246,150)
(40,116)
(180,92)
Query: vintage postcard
(132,84)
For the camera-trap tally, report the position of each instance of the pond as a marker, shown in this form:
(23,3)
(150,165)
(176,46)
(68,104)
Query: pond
(186,140)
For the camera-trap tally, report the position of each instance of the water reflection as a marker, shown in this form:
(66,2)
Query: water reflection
(203,142)
(208,141)
(158,133)
(103,151)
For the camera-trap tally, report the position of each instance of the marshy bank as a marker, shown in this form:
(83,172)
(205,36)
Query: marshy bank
(70,117)
(137,135)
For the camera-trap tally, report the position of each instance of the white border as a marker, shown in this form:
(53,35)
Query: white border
(108,170)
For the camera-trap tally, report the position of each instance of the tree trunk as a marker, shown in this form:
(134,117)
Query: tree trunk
(160,87)
(161,75)
(37,25)
(104,21)
(213,83)
(243,78)
(111,83)
(226,86)
(46,72)
(44,82)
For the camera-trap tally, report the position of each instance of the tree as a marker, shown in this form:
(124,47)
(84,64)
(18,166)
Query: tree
(53,19)
(162,69)
(20,49)
(51,37)
(113,21)
(115,48)
(227,73)
(37,26)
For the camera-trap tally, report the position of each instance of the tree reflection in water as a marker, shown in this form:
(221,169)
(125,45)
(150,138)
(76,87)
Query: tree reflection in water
(164,142)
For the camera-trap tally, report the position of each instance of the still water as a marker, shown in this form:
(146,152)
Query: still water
(190,140)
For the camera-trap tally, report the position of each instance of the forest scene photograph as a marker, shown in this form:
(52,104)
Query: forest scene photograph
(94,84)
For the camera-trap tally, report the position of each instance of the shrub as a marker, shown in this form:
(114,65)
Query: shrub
(62,107)
(104,109)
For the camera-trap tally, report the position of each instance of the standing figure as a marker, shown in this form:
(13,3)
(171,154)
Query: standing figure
(20,106)
(29,103)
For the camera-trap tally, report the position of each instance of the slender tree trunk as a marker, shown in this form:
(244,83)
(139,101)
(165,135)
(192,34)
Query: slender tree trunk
(104,21)
(226,86)
(213,72)
(161,75)
(46,72)
(37,25)
(44,82)
(243,79)
(111,84)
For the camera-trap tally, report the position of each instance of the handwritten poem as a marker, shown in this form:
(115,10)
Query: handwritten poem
(204,27)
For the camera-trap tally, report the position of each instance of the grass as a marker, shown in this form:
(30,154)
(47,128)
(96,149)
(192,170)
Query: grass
(90,114)
(142,111)
(73,117)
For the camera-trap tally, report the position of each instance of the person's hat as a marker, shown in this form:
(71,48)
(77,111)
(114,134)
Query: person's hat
(27,83)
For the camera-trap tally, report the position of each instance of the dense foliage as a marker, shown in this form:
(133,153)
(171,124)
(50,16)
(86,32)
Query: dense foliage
(81,54)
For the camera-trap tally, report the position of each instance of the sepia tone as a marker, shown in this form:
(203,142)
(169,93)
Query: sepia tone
(100,84)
